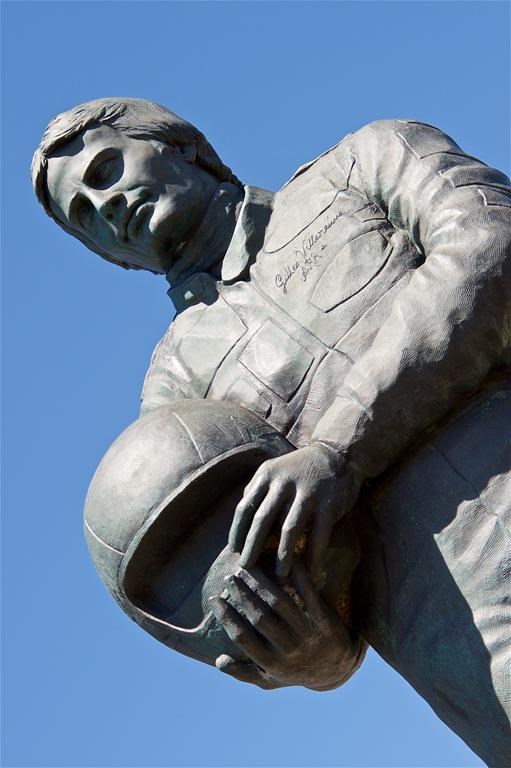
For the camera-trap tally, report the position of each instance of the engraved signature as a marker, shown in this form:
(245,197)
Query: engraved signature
(306,259)
(283,278)
(303,265)
(309,242)
(311,261)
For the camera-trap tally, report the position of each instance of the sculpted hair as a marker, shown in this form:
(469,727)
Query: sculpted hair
(139,119)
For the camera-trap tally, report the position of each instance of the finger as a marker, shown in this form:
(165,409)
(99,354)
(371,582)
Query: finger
(260,615)
(261,526)
(276,598)
(312,602)
(245,511)
(318,542)
(245,672)
(295,522)
(240,631)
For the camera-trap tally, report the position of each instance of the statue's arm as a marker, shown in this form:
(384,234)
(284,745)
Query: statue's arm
(446,330)
(452,323)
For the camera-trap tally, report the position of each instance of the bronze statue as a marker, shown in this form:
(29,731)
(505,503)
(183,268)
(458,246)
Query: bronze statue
(364,313)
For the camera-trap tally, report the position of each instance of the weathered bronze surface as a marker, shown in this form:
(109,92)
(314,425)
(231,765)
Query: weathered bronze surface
(323,455)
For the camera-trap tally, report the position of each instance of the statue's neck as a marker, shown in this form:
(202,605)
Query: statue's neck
(206,249)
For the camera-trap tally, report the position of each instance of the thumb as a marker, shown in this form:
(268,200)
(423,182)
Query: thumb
(244,671)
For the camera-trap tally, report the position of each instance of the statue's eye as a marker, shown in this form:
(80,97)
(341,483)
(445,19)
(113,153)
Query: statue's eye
(101,173)
(105,170)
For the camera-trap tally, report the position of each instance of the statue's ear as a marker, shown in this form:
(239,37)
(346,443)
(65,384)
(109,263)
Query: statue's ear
(189,152)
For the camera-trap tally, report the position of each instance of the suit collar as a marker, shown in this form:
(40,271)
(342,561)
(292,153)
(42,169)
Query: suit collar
(247,240)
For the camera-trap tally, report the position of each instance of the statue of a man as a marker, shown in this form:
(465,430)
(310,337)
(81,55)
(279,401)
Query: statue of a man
(358,311)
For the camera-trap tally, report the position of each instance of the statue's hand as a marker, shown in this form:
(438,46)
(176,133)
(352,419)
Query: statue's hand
(312,484)
(288,640)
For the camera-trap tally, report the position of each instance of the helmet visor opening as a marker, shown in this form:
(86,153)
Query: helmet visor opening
(183,557)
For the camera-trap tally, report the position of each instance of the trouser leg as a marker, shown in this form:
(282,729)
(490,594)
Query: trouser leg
(437,580)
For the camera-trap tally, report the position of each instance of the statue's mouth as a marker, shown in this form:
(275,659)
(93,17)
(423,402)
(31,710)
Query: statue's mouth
(138,214)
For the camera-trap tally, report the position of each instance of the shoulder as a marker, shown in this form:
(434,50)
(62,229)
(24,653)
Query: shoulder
(382,137)
(420,137)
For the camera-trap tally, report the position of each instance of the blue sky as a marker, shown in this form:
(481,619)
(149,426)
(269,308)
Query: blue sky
(272,84)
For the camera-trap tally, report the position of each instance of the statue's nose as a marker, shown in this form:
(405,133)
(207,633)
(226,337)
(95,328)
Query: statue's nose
(113,208)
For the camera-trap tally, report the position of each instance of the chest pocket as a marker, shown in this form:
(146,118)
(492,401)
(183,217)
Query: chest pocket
(277,360)
(208,341)
(354,267)
(304,199)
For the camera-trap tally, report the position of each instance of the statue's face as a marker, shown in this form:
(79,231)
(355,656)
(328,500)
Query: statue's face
(137,199)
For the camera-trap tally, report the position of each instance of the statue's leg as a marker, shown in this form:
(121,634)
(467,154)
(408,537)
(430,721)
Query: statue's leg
(436,574)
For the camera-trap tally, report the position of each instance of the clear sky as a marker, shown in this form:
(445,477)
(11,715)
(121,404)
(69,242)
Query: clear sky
(272,84)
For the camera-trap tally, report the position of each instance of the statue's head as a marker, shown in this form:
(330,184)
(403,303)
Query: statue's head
(128,178)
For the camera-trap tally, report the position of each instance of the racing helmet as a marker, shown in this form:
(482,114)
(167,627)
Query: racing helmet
(158,513)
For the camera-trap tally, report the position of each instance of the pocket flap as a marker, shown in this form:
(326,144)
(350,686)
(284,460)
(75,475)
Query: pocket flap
(277,360)
(245,393)
(297,206)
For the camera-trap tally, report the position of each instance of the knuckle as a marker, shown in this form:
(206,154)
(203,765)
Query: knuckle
(260,516)
(258,620)
(263,472)
(258,521)
(249,492)
(241,509)
(283,553)
(248,495)
(223,663)
(238,635)
(278,604)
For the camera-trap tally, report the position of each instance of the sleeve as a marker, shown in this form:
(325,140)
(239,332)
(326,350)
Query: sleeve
(451,324)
